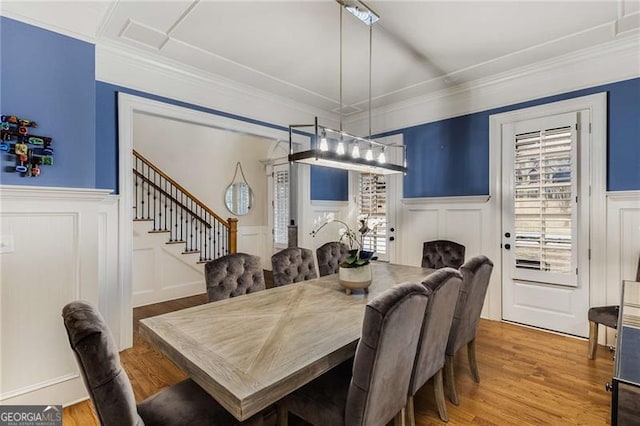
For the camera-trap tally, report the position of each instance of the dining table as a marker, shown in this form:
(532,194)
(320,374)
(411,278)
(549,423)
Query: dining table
(250,351)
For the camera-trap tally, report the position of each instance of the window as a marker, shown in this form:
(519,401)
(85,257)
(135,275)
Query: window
(544,200)
(280,204)
(372,206)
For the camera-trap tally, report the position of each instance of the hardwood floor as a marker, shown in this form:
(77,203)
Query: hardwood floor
(527,376)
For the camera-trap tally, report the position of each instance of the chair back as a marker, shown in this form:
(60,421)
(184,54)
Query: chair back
(292,265)
(441,254)
(443,287)
(233,275)
(475,281)
(97,355)
(330,255)
(385,355)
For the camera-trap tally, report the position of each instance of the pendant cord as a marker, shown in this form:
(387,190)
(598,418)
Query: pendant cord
(370,56)
(340,68)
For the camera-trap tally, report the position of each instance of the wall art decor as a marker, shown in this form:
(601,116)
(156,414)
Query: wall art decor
(31,151)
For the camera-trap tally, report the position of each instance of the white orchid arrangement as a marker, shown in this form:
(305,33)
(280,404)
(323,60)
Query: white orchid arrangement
(357,255)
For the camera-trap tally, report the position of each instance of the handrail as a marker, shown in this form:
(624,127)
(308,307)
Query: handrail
(171,197)
(181,188)
(175,210)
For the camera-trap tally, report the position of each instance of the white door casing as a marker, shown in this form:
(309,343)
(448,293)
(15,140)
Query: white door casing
(128,105)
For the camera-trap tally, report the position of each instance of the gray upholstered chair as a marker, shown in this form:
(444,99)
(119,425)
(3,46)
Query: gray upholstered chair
(292,265)
(376,392)
(233,275)
(475,281)
(441,254)
(605,315)
(183,404)
(443,287)
(330,255)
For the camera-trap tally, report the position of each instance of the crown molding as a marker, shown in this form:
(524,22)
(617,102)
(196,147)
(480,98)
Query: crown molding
(121,65)
(605,63)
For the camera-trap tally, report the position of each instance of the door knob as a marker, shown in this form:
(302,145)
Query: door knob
(392,229)
(392,238)
(507,246)
(507,234)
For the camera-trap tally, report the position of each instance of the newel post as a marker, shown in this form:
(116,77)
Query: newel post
(233,235)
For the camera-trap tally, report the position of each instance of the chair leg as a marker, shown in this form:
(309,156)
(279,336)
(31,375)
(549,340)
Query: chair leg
(451,385)
(410,413)
(593,340)
(399,419)
(473,365)
(438,388)
(283,416)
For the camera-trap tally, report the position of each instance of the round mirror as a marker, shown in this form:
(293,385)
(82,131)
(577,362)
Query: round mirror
(238,198)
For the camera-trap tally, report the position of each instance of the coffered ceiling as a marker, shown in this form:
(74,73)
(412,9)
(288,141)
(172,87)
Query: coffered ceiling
(291,48)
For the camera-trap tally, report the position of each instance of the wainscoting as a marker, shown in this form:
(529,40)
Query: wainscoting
(162,272)
(466,220)
(57,247)
(623,246)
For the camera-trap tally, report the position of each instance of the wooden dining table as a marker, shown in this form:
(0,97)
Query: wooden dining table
(250,351)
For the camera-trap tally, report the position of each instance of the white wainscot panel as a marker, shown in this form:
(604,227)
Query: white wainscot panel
(418,225)
(255,240)
(59,235)
(623,241)
(144,272)
(465,227)
(38,278)
(623,248)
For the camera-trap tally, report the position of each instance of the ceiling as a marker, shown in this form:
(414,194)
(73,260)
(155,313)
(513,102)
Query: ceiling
(291,48)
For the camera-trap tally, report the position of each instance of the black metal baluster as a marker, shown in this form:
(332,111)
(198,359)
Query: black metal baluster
(135,193)
(165,204)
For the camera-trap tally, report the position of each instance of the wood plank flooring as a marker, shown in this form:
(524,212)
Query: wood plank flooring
(527,376)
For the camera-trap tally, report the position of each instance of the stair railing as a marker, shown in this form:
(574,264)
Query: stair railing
(174,210)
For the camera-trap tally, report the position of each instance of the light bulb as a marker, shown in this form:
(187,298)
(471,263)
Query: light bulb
(369,155)
(381,158)
(355,152)
(340,148)
(324,146)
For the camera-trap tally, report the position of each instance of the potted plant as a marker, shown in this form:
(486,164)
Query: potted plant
(355,270)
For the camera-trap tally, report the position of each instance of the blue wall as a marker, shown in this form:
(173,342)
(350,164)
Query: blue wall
(49,78)
(451,157)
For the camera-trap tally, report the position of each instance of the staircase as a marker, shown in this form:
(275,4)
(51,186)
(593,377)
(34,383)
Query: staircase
(174,211)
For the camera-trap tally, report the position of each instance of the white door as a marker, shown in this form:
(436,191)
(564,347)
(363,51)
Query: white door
(545,225)
(279,209)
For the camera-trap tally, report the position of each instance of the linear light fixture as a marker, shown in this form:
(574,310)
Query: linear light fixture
(339,151)
(337,148)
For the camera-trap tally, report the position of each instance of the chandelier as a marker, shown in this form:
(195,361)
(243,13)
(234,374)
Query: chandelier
(338,148)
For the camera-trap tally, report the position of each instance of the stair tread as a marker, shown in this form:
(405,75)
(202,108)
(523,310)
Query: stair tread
(176,242)
(158,231)
(142,220)
(191,252)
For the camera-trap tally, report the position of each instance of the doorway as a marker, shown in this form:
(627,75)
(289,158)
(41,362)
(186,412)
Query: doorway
(546,221)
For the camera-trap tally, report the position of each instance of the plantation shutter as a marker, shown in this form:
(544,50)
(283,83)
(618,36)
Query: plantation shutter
(372,206)
(545,200)
(280,205)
